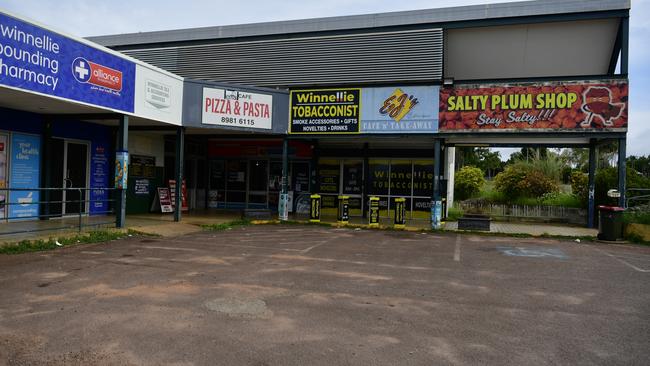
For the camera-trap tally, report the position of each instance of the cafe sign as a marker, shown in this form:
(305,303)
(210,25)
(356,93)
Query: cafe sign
(401,109)
(236,108)
(564,106)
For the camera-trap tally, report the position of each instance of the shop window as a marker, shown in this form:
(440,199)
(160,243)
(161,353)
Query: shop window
(200,174)
(236,176)
(400,178)
(352,177)
(275,178)
(258,175)
(217,174)
(329,172)
(300,177)
(379,177)
(423,178)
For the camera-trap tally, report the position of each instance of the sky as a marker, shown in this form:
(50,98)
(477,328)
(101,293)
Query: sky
(90,18)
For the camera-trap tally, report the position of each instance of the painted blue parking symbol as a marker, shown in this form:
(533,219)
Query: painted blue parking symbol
(532,252)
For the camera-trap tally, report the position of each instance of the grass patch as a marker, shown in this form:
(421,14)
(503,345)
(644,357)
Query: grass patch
(454,213)
(226,225)
(564,199)
(26,246)
(636,239)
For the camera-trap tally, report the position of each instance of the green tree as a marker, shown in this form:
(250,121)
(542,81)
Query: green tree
(481,157)
(531,179)
(468,182)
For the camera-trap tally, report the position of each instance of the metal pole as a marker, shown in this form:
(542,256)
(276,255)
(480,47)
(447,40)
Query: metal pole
(436,170)
(46,167)
(366,178)
(79,189)
(621,171)
(625,41)
(591,188)
(435,202)
(180,152)
(122,145)
(283,209)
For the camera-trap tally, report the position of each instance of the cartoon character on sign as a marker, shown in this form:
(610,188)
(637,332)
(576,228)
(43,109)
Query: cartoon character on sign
(597,103)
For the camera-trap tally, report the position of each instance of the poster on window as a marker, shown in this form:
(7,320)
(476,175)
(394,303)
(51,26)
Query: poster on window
(4,146)
(25,174)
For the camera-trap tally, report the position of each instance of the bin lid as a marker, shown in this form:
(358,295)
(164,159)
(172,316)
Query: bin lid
(610,208)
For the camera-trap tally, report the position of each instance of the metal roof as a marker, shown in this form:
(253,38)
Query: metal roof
(379,20)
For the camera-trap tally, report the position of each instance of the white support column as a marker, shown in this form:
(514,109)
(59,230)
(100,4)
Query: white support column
(450,170)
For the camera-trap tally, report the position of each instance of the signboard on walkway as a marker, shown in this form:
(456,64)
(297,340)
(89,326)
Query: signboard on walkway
(402,109)
(325,111)
(35,59)
(553,106)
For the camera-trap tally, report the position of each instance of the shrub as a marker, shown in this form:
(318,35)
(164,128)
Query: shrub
(468,182)
(607,178)
(522,180)
(507,182)
(580,186)
(536,184)
(637,217)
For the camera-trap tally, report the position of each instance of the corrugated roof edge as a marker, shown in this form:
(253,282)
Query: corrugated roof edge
(411,17)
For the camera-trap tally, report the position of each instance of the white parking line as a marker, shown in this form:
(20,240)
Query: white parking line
(624,262)
(457,250)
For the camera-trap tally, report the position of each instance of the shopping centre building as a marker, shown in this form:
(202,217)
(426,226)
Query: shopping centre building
(260,116)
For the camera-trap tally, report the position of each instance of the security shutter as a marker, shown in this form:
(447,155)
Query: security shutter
(391,57)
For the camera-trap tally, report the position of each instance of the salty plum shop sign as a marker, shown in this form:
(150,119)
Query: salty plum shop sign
(599,105)
(35,59)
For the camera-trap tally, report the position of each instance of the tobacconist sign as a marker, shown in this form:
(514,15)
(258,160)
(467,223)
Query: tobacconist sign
(563,106)
(330,111)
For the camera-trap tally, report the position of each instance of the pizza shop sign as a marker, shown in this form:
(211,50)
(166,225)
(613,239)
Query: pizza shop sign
(236,108)
(565,106)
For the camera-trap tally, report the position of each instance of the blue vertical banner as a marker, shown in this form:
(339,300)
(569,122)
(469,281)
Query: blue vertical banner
(35,59)
(99,178)
(121,169)
(24,173)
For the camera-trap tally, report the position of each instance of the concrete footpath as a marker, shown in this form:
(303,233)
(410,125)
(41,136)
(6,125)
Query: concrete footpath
(164,225)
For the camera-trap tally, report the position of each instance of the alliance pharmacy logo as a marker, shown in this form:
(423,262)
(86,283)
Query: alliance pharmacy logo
(85,71)
(398,105)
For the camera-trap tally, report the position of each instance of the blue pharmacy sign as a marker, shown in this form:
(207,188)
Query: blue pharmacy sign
(38,60)
(24,173)
(402,109)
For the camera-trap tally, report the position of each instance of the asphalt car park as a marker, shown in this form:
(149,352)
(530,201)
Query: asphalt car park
(310,295)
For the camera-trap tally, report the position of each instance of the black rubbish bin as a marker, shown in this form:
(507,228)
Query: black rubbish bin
(610,223)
